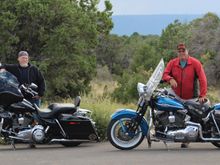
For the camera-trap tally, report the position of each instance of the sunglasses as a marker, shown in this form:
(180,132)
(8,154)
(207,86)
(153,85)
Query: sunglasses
(181,50)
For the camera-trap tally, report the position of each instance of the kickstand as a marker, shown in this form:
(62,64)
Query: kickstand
(13,144)
(149,141)
(166,145)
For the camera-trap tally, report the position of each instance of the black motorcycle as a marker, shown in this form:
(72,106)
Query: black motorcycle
(22,121)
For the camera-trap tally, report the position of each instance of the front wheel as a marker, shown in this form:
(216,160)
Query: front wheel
(121,136)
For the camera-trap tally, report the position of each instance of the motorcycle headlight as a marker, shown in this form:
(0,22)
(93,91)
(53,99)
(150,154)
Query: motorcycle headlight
(141,88)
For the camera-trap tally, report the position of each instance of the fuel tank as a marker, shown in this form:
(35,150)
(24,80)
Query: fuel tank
(216,108)
(168,104)
(21,107)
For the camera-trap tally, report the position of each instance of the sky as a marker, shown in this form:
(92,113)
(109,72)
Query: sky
(151,7)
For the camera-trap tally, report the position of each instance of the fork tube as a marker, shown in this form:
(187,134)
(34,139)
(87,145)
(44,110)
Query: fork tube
(122,126)
(141,113)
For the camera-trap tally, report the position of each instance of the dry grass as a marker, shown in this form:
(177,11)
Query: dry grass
(102,88)
(101,105)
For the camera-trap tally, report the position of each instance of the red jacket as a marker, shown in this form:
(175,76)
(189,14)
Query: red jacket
(185,77)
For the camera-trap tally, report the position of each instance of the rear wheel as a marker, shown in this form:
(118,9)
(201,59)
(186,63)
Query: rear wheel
(217,144)
(121,136)
(70,144)
(215,135)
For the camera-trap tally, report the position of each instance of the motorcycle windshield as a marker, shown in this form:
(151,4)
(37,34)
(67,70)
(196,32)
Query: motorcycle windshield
(9,89)
(8,78)
(154,79)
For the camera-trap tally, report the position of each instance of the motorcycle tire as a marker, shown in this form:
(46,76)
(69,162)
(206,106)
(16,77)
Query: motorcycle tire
(217,144)
(70,144)
(121,140)
(215,135)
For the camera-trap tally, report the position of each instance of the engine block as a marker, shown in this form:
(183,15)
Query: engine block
(170,119)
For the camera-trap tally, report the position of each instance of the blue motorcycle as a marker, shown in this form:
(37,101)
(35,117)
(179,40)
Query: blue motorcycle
(169,119)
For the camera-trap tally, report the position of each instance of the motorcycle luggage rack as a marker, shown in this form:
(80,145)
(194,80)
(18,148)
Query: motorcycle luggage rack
(63,132)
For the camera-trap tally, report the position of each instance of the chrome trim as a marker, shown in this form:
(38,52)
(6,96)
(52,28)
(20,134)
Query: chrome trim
(151,119)
(200,132)
(17,138)
(1,124)
(48,127)
(28,104)
(64,134)
(207,117)
(182,111)
(216,125)
(68,140)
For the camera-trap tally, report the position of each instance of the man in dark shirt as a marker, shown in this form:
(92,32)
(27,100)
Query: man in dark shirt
(27,74)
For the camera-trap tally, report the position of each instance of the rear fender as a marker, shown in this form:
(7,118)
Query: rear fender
(129,113)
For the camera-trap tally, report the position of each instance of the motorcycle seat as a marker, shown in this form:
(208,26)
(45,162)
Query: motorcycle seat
(56,109)
(193,104)
(197,108)
(196,105)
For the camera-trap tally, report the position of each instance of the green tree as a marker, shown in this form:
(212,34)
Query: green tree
(118,52)
(173,34)
(205,45)
(7,27)
(108,53)
(60,35)
(127,85)
(204,32)
(147,57)
(143,63)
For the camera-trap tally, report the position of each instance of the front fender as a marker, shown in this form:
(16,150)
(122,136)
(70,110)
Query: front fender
(129,113)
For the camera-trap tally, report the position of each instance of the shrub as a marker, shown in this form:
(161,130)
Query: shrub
(102,108)
(127,85)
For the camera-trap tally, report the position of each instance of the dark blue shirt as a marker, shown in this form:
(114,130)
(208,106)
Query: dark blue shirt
(24,79)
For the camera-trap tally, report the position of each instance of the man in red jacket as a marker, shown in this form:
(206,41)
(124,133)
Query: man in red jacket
(182,73)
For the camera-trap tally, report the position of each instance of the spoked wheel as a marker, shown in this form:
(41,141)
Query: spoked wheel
(70,144)
(121,136)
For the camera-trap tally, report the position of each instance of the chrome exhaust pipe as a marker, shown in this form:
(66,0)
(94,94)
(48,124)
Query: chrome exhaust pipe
(21,139)
(68,140)
(200,133)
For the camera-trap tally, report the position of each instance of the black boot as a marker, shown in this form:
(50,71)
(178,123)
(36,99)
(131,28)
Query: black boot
(31,145)
(184,145)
